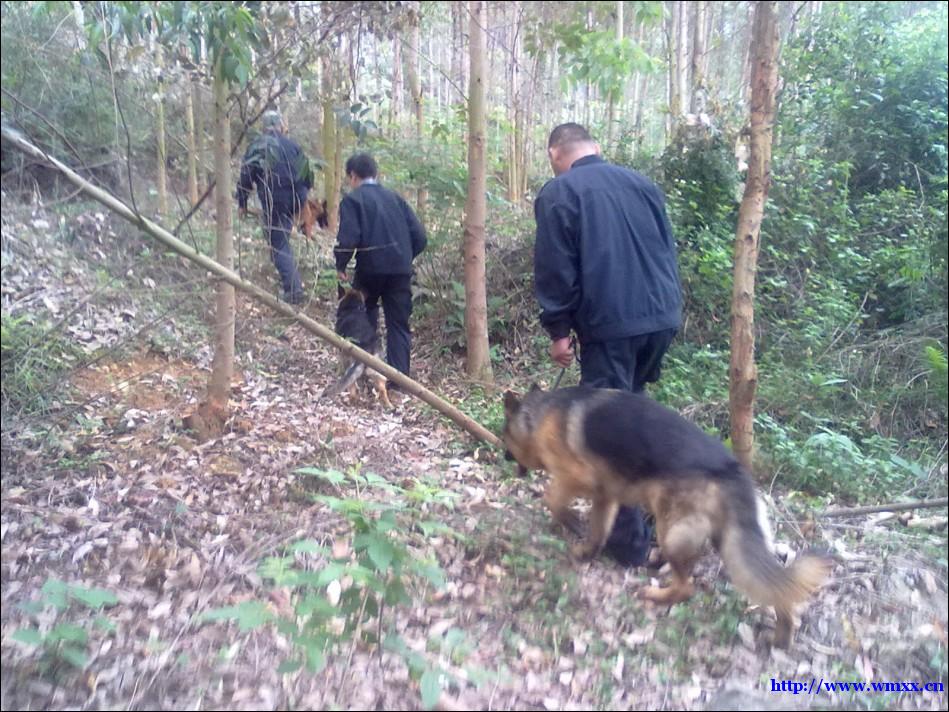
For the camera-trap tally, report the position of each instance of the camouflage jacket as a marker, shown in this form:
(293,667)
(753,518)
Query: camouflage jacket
(279,169)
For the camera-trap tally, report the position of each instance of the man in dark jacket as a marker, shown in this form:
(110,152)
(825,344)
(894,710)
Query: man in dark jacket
(378,226)
(605,268)
(283,176)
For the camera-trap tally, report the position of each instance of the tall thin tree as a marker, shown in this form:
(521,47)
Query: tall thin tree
(478,364)
(743,372)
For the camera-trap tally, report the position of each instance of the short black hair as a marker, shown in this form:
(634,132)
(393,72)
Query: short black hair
(362,165)
(568,135)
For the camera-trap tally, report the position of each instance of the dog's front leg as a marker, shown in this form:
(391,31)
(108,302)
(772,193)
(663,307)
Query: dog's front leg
(558,498)
(602,518)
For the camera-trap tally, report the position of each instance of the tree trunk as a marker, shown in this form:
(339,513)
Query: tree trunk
(331,181)
(476,309)
(457,50)
(514,99)
(699,19)
(201,143)
(745,85)
(672,81)
(192,146)
(160,133)
(682,62)
(612,98)
(222,368)
(639,93)
(743,372)
(395,108)
(415,86)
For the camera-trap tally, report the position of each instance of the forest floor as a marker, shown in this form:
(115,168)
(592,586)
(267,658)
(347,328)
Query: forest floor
(121,532)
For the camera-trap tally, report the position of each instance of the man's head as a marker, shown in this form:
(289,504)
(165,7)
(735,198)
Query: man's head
(360,167)
(569,143)
(273,121)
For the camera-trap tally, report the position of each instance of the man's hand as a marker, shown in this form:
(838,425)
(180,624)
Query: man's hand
(342,277)
(562,352)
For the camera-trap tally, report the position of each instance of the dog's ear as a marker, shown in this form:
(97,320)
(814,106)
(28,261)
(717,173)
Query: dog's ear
(534,388)
(340,290)
(512,403)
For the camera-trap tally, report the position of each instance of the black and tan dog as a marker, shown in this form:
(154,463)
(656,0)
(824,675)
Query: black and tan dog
(615,448)
(353,323)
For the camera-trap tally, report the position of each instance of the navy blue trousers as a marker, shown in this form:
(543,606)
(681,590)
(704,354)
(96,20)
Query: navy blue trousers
(278,227)
(627,364)
(395,291)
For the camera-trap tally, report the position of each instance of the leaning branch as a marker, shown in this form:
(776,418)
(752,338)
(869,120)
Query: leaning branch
(892,507)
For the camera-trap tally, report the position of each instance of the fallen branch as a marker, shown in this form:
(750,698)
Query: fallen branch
(328,335)
(892,507)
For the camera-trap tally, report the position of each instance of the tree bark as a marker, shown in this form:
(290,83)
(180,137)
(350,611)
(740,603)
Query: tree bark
(415,87)
(160,138)
(331,181)
(743,372)
(611,112)
(699,20)
(395,108)
(192,145)
(478,364)
(201,143)
(222,368)
(682,62)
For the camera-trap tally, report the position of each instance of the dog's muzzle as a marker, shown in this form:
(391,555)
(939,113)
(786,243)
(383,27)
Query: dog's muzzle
(521,470)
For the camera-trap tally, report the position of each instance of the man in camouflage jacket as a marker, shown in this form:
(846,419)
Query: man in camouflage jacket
(282,174)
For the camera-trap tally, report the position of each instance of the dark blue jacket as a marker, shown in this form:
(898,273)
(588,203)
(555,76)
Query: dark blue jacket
(381,228)
(605,259)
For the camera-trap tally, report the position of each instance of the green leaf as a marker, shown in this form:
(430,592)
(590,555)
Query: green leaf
(315,658)
(331,572)
(105,624)
(381,552)
(332,476)
(94,598)
(395,593)
(249,615)
(55,593)
(74,656)
(288,666)
(308,546)
(431,688)
(67,632)
(30,636)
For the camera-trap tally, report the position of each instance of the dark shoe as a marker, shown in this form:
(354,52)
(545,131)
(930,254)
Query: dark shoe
(631,538)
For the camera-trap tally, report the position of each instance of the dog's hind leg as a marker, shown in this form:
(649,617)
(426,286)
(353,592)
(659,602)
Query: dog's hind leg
(379,383)
(602,518)
(682,545)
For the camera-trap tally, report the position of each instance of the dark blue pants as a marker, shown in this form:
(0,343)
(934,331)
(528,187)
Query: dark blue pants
(627,364)
(395,290)
(278,227)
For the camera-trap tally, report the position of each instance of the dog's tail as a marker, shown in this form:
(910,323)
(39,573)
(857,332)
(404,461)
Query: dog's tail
(351,375)
(745,548)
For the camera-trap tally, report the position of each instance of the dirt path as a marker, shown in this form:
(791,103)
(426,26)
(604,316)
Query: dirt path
(125,500)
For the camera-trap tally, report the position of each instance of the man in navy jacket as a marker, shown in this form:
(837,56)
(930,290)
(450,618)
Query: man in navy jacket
(605,268)
(378,226)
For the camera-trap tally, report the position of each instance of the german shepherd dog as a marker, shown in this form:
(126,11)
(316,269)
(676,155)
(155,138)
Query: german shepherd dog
(311,214)
(353,323)
(614,448)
